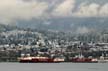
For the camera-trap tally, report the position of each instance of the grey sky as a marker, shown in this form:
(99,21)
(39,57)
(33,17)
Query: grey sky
(13,10)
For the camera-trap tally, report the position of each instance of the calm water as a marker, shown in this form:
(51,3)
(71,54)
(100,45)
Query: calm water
(53,67)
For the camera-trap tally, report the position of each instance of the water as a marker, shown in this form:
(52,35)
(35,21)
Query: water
(53,67)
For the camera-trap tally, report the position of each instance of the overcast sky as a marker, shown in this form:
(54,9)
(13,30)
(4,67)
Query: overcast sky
(13,10)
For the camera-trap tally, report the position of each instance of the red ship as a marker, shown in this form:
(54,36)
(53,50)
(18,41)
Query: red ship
(39,60)
(81,59)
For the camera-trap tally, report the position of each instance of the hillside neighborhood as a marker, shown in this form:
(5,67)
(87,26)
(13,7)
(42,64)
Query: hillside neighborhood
(18,42)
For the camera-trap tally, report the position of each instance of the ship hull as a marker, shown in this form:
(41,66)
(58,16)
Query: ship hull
(82,60)
(39,60)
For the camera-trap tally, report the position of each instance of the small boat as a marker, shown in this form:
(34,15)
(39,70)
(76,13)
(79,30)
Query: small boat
(103,59)
(82,59)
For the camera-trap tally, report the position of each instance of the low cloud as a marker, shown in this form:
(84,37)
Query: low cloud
(13,10)
(64,9)
(87,10)
(104,10)
(83,30)
(92,10)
